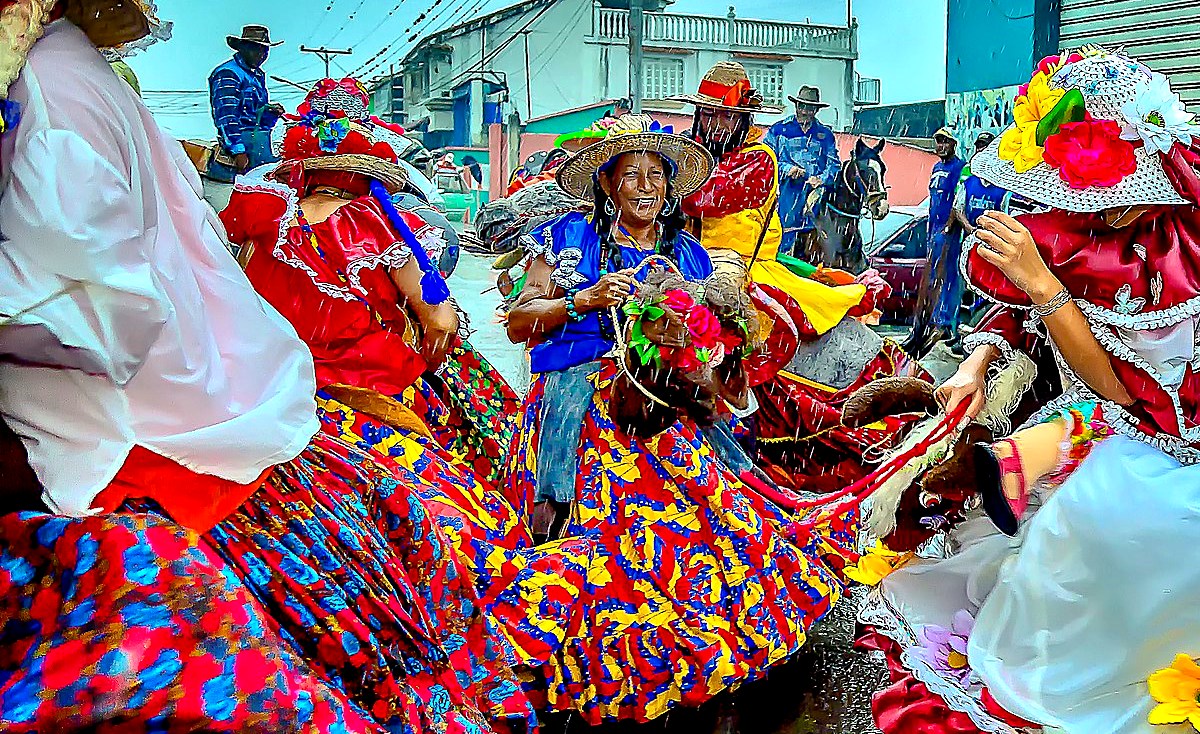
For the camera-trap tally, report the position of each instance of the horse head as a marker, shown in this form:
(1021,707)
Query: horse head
(870,172)
(682,353)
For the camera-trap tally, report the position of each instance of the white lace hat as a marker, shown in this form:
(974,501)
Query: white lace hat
(1091,168)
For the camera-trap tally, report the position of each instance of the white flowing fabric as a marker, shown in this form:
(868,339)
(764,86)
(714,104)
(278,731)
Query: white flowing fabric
(1101,590)
(159,339)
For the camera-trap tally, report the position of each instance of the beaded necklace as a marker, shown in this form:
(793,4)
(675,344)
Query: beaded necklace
(607,328)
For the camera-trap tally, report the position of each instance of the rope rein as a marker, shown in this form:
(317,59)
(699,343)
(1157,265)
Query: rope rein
(622,337)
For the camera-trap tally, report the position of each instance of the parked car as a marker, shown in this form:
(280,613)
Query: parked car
(898,248)
(462,203)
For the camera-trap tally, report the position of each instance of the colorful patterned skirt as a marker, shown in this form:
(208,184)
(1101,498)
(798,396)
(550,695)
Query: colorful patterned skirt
(131,623)
(688,585)
(346,570)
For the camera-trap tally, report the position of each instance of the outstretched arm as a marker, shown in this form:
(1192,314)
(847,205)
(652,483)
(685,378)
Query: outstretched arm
(1010,247)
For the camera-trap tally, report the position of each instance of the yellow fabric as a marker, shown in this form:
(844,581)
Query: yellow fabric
(126,72)
(825,306)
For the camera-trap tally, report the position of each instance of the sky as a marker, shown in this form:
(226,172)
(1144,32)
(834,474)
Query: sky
(174,74)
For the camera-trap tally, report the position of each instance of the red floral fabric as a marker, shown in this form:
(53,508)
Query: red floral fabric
(907,706)
(742,180)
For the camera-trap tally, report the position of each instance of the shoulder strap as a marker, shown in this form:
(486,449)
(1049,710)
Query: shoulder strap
(772,203)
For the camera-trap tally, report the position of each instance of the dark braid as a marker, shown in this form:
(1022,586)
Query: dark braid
(673,223)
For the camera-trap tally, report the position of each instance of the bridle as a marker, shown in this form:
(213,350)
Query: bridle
(866,196)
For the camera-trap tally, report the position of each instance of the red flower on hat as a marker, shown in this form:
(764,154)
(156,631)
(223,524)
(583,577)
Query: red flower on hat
(1090,153)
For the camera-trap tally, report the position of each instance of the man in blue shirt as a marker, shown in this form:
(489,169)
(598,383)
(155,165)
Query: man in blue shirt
(941,296)
(808,163)
(241,106)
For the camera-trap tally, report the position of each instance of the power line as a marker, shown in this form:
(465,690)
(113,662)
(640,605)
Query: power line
(416,21)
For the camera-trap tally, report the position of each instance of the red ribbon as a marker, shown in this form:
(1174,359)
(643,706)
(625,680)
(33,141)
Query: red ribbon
(730,96)
(1181,166)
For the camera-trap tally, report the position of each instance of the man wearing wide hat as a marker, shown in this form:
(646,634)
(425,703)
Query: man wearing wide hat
(241,107)
(808,166)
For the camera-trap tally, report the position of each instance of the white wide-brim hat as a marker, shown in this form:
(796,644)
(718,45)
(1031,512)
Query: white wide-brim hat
(1111,85)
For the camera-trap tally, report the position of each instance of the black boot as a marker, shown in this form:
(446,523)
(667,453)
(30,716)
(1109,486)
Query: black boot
(991,492)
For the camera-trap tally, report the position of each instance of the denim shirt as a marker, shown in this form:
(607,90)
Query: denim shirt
(572,247)
(816,152)
(238,95)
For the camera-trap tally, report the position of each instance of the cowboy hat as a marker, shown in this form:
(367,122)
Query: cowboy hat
(22,23)
(726,86)
(258,35)
(692,163)
(809,97)
(1125,106)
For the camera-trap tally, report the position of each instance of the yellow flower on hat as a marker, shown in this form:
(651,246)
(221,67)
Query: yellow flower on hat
(875,565)
(1019,142)
(1176,689)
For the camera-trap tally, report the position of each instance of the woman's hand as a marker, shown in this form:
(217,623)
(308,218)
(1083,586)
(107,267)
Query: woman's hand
(968,383)
(612,290)
(1010,247)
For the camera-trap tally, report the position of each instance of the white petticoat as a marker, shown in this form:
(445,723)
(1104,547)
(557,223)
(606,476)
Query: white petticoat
(1101,590)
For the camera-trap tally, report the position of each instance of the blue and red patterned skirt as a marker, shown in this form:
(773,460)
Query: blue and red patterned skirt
(334,572)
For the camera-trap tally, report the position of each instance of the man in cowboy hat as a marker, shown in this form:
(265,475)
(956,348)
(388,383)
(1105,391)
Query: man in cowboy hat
(241,106)
(808,165)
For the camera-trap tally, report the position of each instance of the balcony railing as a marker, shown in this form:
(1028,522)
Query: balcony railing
(867,90)
(712,31)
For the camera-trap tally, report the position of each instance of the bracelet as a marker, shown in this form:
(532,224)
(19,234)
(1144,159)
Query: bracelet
(1060,299)
(572,314)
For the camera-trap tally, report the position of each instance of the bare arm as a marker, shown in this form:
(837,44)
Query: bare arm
(969,382)
(439,323)
(542,305)
(1010,248)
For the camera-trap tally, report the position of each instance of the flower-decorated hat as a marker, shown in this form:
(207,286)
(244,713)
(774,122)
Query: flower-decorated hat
(1096,130)
(319,142)
(726,86)
(349,98)
(691,164)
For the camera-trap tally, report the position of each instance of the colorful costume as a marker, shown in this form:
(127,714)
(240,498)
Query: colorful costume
(690,585)
(1066,624)
(148,382)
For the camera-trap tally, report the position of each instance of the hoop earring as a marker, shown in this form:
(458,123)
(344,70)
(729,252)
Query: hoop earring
(610,208)
(668,208)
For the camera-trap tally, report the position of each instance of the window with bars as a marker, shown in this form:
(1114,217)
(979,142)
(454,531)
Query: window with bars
(768,80)
(662,77)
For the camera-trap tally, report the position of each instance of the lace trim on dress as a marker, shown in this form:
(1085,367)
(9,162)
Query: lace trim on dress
(878,612)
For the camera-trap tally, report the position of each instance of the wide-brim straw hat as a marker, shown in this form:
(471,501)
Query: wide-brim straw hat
(691,162)
(1109,84)
(391,175)
(23,22)
(724,87)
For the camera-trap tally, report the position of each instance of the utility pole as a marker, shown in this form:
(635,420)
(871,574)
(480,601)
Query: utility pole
(637,32)
(326,54)
(849,13)
(528,82)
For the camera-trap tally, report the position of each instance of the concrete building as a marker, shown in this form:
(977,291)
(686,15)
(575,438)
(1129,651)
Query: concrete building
(541,57)
(992,48)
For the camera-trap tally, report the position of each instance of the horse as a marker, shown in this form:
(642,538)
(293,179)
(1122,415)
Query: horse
(859,190)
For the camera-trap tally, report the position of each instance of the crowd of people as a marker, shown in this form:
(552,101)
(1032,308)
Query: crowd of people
(282,491)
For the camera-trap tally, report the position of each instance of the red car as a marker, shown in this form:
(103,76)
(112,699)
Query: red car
(898,247)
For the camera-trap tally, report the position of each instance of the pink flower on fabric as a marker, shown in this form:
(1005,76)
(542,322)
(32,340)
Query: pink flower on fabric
(945,650)
(1090,153)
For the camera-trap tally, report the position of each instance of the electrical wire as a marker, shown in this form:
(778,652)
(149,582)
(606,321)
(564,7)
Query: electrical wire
(382,55)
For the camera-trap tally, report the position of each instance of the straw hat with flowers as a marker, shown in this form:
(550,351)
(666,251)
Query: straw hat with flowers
(690,163)
(323,143)
(1096,130)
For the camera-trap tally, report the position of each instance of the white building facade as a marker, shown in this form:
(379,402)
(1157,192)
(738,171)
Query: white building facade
(542,57)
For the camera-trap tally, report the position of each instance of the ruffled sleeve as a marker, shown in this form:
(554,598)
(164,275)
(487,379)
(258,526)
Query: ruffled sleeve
(75,280)
(569,245)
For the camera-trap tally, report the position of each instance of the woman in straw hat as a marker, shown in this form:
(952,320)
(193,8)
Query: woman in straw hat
(1084,619)
(648,631)
(204,546)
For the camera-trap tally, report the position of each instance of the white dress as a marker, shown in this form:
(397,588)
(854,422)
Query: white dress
(1100,589)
